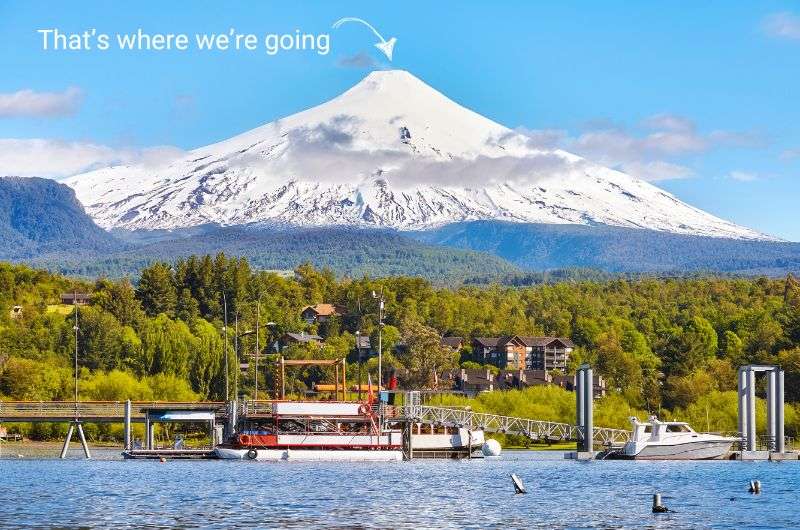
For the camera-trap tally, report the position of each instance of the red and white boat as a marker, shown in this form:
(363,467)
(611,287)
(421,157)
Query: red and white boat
(336,430)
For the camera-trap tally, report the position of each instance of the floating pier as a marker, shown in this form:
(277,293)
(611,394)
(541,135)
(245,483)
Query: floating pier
(169,454)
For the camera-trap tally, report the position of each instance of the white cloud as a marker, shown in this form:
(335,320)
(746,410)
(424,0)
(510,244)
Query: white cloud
(29,103)
(653,153)
(782,25)
(670,122)
(742,176)
(56,159)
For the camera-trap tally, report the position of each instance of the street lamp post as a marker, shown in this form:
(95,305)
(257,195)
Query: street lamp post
(236,354)
(75,303)
(358,348)
(381,304)
(225,338)
(258,345)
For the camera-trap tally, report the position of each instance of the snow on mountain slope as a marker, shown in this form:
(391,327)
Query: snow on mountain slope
(390,152)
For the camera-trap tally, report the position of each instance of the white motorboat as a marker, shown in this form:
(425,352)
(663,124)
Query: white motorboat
(673,440)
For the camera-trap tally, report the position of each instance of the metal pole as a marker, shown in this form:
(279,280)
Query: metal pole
(344,379)
(588,406)
(66,441)
(148,439)
(225,338)
(779,386)
(358,349)
(771,407)
(751,410)
(283,379)
(380,345)
(236,354)
(742,420)
(127,425)
(75,303)
(258,348)
(83,442)
(579,397)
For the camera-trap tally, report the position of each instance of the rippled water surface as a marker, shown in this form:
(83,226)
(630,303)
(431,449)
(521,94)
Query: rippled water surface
(107,492)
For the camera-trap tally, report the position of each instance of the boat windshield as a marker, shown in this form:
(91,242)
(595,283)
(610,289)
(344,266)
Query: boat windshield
(678,428)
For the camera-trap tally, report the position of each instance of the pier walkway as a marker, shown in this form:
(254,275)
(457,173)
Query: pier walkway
(91,411)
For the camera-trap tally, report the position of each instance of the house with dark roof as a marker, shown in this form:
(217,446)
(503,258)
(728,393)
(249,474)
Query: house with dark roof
(568,382)
(299,338)
(75,298)
(476,380)
(454,343)
(523,353)
(318,313)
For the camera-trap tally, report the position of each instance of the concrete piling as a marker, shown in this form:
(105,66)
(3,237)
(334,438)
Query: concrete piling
(83,441)
(751,411)
(780,445)
(67,440)
(747,412)
(127,424)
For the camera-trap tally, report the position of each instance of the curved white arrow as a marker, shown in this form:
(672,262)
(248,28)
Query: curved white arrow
(386,46)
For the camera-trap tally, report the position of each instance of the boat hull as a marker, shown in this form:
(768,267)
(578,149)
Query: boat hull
(328,455)
(700,450)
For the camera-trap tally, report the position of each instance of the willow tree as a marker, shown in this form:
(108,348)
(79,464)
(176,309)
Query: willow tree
(206,359)
(424,356)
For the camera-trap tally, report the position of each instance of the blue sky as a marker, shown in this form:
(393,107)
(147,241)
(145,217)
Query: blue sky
(701,98)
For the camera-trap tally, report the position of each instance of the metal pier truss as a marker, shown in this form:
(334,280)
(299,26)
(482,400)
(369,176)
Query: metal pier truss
(536,430)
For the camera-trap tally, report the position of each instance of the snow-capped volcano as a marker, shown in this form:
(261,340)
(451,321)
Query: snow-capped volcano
(390,152)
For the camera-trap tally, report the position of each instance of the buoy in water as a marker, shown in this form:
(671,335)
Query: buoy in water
(518,486)
(491,448)
(162,460)
(657,506)
(755,486)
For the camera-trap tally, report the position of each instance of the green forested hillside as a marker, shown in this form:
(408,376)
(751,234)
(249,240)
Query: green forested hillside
(671,344)
(40,216)
(348,252)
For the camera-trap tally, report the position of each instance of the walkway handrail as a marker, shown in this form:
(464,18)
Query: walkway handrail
(10,410)
(530,428)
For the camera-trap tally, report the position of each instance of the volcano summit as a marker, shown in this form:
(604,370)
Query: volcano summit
(390,152)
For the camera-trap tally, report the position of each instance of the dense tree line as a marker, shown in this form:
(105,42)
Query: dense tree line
(661,343)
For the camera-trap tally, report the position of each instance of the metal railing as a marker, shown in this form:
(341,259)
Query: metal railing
(87,410)
(536,430)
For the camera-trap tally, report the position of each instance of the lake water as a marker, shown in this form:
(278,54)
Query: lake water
(476,493)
